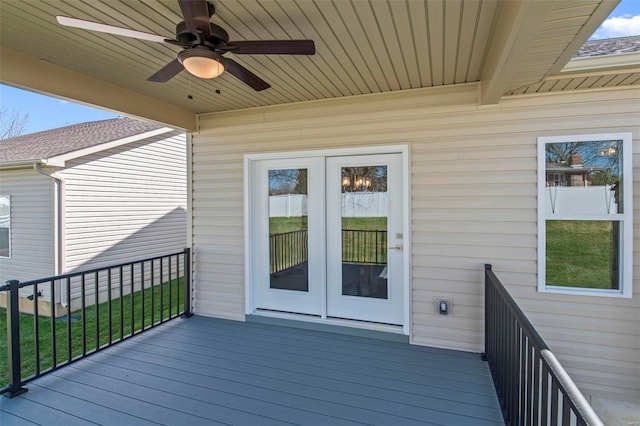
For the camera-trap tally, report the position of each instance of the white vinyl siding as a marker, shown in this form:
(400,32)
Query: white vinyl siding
(473,201)
(32,233)
(126,203)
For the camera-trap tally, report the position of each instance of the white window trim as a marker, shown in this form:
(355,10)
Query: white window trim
(8,197)
(626,218)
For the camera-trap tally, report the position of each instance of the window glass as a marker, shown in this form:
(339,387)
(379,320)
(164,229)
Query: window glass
(583,183)
(583,253)
(584,178)
(364,204)
(288,230)
(5,226)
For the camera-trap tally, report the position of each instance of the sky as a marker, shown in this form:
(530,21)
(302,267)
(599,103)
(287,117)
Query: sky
(46,113)
(623,21)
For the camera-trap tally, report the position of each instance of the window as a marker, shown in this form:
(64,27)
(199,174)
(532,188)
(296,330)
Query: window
(5,226)
(585,235)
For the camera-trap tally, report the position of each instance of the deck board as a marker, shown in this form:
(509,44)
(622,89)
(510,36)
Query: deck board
(211,371)
(85,407)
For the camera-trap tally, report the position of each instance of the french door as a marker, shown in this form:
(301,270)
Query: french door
(364,238)
(287,216)
(326,236)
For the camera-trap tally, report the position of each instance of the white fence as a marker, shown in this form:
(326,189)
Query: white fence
(288,205)
(365,204)
(578,200)
(354,204)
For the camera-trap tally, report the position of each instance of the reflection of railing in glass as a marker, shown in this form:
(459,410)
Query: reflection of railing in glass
(364,263)
(364,247)
(290,249)
(287,250)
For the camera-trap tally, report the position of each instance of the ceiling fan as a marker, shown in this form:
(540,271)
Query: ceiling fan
(204,44)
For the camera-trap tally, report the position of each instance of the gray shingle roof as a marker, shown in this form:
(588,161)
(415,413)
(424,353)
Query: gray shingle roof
(609,46)
(63,140)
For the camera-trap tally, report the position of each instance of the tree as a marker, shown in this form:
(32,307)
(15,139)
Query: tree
(287,181)
(596,155)
(12,123)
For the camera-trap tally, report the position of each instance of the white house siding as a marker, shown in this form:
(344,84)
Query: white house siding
(473,201)
(126,203)
(32,234)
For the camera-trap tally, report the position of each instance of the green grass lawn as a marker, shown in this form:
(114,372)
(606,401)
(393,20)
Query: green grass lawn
(121,326)
(579,254)
(365,223)
(280,225)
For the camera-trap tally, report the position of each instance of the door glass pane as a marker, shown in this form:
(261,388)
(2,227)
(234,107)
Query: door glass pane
(364,231)
(288,230)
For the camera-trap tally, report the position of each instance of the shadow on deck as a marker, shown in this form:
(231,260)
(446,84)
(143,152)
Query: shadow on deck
(205,371)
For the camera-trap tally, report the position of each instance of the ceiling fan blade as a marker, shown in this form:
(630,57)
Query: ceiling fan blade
(167,72)
(109,29)
(244,75)
(196,16)
(273,47)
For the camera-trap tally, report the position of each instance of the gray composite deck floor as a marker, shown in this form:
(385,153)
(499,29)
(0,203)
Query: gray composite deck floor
(204,371)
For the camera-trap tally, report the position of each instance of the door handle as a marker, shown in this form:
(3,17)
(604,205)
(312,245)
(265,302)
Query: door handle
(396,247)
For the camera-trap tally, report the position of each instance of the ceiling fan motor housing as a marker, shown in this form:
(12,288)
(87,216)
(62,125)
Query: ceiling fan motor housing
(219,35)
(198,52)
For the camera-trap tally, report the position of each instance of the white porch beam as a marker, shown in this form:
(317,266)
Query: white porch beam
(516,27)
(45,77)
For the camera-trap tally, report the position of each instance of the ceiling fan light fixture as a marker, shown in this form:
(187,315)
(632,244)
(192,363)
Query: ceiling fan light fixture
(201,62)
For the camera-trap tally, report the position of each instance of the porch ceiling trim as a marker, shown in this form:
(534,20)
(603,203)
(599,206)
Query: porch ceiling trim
(627,62)
(28,72)
(598,17)
(509,43)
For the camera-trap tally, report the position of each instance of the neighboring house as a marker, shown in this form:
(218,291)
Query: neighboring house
(571,172)
(457,102)
(90,195)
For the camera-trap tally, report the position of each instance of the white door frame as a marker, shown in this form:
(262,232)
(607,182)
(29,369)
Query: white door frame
(250,304)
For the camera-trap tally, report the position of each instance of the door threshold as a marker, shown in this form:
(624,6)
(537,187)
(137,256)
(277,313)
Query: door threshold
(331,325)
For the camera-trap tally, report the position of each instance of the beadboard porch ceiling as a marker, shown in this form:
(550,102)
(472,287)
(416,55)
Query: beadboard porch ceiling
(362,47)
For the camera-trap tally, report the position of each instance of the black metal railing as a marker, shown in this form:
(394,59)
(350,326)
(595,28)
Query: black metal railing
(287,250)
(533,388)
(364,246)
(290,249)
(74,315)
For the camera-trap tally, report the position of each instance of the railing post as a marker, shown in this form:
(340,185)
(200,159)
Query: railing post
(187,283)
(13,340)
(484,355)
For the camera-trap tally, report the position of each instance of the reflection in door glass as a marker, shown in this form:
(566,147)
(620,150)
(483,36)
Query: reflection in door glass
(288,230)
(364,231)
